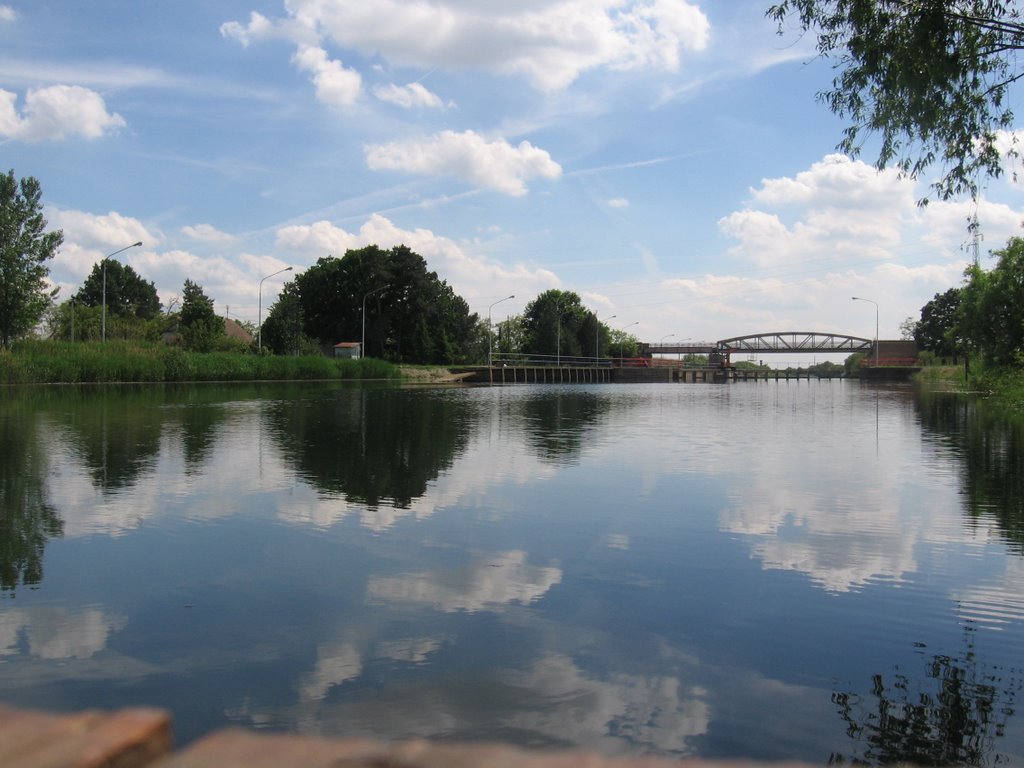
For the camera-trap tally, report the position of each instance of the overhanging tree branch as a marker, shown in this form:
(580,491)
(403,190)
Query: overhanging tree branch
(931,77)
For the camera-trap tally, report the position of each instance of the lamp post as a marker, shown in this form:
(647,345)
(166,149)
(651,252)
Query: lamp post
(597,339)
(103,322)
(858,298)
(666,336)
(622,342)
(362,342)
(558,335)
(682,341)
(490,373)
(259,316)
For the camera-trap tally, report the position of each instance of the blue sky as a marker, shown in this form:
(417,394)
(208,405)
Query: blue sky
(664,159)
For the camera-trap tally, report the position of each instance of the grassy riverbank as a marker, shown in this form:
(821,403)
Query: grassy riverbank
(944,376)
(50,362)
(1004,384)
(1007,384)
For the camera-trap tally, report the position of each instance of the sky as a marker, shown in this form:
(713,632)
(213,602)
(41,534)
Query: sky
(667,160)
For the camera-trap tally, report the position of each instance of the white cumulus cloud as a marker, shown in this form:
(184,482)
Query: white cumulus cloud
(207,233)
(258,28)
(471,275)
(838,180)
(7,13)
(106,232)
(551,43)
(838,210)
(468,156)
(56,112)
(408,96)
(336,86)
(318,239)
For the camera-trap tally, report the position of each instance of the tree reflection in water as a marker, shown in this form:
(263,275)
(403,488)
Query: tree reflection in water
(952,713)
(27,519)
(556,424)
(375,446)
(990,441)
(115,431)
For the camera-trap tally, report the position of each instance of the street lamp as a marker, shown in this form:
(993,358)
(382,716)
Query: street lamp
(558,335)
(362,343)
(622,342)
(103,322)
(597,339)
(259,316)
(858,298)
(489,334)
(683,341)
(666,336)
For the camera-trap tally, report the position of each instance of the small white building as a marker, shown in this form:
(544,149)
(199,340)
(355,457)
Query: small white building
(350,350)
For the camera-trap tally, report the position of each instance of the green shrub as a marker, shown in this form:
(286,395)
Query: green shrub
(175,364)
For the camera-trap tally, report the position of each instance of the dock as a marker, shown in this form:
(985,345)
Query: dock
(657,374)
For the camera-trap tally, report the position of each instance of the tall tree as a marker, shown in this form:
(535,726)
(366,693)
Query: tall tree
(938,328)
(974,326)
(992,312)
(25,247)
(931,77)
(554,323)
(128,295)
(283,332)
(410,314)
(200,326)
(510,335)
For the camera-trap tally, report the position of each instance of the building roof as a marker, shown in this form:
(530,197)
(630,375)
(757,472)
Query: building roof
(233,329)
(347,344)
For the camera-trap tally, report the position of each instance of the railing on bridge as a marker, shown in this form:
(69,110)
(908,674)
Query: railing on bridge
(569,361)
(890,362)
(687,348)
(512,359)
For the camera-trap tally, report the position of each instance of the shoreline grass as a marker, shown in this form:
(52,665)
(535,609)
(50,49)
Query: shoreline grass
(54,362)
(1003,384)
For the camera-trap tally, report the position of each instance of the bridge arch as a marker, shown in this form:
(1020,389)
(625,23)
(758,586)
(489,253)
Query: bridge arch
(795,341)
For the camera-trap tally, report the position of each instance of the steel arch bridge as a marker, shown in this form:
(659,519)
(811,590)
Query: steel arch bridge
(795,341)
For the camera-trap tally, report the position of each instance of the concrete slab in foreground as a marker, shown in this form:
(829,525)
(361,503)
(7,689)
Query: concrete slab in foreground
(141,738)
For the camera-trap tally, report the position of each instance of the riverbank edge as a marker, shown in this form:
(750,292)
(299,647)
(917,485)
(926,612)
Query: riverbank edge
(1005,385)
(125,363)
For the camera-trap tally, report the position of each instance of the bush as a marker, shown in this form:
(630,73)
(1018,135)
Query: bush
(232,344)
(175,364)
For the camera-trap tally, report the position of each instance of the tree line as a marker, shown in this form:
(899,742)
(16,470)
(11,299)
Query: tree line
(981,319)
(400,311)
(387,299)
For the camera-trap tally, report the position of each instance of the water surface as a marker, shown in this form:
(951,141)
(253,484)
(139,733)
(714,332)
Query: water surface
(813,570)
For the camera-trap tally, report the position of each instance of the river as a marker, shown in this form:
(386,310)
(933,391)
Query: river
(814,570)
